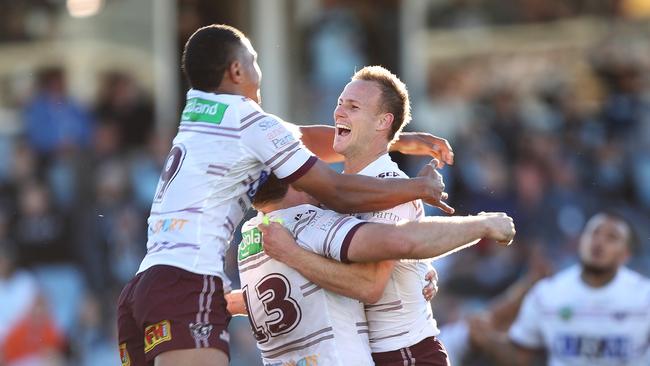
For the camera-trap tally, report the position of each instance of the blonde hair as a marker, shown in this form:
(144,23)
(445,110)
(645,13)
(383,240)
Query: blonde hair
(394,96)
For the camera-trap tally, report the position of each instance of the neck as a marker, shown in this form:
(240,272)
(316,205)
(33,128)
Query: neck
(597,279)
(357,159)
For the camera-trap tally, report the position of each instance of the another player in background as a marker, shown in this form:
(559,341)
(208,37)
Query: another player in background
(174,312)
(293,320)
(466,338)
(596,313)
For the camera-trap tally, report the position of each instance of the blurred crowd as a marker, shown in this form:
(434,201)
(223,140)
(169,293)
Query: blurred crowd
(76,180)
(75,190)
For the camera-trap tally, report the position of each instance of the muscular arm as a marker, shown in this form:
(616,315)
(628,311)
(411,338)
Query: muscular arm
(349,193)
(428,238)
(320,139)
(362,281)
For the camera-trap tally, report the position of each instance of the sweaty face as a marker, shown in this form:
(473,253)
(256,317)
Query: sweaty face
(603,245)
(251,71)
(356,116)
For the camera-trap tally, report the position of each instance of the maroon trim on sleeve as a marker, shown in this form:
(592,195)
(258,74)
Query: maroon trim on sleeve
(347,240)
(301,171)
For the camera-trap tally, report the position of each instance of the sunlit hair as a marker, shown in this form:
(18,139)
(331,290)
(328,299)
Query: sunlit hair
(394,96)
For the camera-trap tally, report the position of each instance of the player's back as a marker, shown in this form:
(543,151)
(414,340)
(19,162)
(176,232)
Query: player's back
(402,317)
(225,147)
(296,322)
(581,325)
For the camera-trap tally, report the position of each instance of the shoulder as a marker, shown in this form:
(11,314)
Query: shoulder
(384,167)
(551,286)
(251,224)
(635,280)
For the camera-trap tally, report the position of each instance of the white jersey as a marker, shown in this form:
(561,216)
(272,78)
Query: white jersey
(402,317)
(225,148)
(580,325)
(295,321)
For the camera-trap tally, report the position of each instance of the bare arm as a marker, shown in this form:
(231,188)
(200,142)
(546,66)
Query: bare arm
(499,347)
(235,303)
(320,139)
(362,281)
(349,193)
(428,238)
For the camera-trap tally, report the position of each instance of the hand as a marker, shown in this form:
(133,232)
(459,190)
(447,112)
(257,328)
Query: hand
(500,227)
(480,330)
(278,242)
(437,187)
(420,143)
(431,289)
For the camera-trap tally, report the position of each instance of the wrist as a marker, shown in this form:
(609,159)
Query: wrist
(293,256)
(484,227)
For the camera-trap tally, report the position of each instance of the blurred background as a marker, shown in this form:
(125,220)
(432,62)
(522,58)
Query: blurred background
(546,103)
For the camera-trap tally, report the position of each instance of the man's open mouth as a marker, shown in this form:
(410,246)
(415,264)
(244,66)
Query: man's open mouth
(342,130)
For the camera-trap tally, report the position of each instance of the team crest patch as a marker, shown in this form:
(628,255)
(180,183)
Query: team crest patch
(156,334)
(565,313)
(124,355)
(200,331)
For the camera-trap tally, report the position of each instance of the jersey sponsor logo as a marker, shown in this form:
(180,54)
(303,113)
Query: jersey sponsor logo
(124,355)
(267,124)
(203,110)
(251,243)
(276,133)
(200,331)
(156,334)
(389,175)
(283,141)
(608,347)
(167,225)
(386,215)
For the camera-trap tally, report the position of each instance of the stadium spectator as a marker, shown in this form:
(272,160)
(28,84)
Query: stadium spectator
(53,120)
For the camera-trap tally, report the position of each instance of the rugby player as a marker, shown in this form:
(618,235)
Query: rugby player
(596,313)
(293,319)
(372,110)
(174,312)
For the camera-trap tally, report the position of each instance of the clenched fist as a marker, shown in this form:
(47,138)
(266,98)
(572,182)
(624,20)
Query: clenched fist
(500,227)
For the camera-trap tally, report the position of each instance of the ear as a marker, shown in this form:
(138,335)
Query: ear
(235,72)
(385,121)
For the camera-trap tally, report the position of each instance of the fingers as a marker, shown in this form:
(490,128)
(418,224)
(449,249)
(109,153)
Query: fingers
(432,275)
(430,290)
(435,163)
(445,207)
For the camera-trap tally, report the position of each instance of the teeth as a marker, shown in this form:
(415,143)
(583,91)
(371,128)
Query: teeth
(339,125)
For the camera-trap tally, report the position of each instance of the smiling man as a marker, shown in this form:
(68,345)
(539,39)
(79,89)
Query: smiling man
(371,112)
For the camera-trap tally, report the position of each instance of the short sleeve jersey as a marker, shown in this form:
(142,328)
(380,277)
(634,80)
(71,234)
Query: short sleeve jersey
(225,148)
(402,317)
(295,321)
(580,325)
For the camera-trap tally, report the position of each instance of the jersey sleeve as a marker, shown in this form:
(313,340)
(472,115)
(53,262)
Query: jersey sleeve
(526,330)
(327,233)
(276,144)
